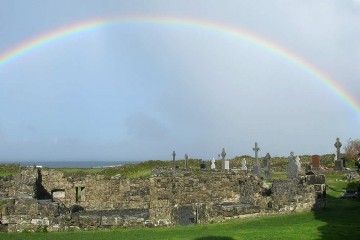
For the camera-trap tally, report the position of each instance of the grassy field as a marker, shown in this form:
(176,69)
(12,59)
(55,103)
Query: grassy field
(340,220)
(9,169)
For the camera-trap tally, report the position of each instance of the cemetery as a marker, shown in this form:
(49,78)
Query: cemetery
(40,198)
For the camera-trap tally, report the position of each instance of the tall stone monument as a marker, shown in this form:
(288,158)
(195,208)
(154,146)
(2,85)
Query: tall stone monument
(223,155)
(298,165)
(338,161)
(256,167)
(186,158)
(174,164)
(267,170)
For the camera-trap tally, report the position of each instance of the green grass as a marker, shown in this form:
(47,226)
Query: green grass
(340,220)
(79,172)
(138,170)
(279,175)
(9,169)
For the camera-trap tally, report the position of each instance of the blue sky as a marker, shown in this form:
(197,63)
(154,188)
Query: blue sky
(138,92)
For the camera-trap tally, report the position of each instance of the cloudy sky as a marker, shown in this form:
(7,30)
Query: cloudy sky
(138,91)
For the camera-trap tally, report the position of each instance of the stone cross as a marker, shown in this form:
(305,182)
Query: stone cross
(186,158)
(256,168)
(223,155)
(338,161)
(338,146)
(174,164)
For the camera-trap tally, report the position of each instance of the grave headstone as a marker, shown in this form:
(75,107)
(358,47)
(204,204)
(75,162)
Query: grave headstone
(344,162)
(267,170)
(243,164)
(315,161)
(256,167)
(298,165)
(227,164)
(338,161)
(174,164)
(186,158)
(202,165)
(213,164)
(308,169)
(223,155)
(293,168)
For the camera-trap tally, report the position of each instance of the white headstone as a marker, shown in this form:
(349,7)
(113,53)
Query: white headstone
(227,164)
(243,164)
(298,165)
(294,166)
(213,164)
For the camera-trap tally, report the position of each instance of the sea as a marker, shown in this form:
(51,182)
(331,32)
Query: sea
(70,164)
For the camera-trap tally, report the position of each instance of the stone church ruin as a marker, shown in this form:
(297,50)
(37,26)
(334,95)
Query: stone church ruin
(47,200)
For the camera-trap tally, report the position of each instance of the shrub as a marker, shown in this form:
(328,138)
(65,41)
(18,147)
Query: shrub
(352,149)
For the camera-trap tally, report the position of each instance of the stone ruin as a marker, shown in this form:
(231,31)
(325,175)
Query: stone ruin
(38,199)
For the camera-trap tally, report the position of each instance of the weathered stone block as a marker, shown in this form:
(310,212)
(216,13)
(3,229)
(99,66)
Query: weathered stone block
(89,221)
(48,208)
(26,206)
(315,179)
(40,222)
(112,221)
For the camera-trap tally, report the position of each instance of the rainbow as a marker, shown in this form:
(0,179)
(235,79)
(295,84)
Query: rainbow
(242,35)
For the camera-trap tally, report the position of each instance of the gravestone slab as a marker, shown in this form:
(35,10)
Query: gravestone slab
(315,161)
(174,163)
(213,164)
(186,159)
(243,164)
(293,168)
(203,165)
(223,155)
(267,170)
(227,164)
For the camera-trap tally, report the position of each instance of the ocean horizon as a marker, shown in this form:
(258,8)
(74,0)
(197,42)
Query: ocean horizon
(69,163)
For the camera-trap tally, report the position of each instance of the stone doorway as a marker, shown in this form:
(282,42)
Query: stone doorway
(186,215)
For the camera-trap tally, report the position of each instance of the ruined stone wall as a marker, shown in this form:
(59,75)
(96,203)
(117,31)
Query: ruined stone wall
(187,189)
(6,183)
(98,192)
(291,195)
(37,199)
